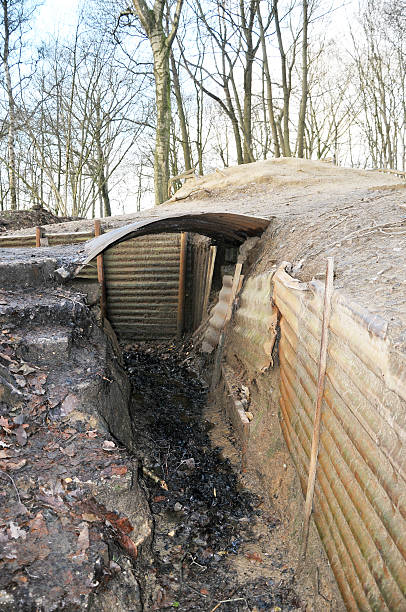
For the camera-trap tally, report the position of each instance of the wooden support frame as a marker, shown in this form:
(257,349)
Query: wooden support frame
(328,292)
(180,319)
(100,272)
(38,235)
(209,279)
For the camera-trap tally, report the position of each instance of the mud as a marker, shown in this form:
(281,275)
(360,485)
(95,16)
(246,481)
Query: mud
(210,535)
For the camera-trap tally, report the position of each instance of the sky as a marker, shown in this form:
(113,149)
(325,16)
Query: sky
(52,20)
(58,18)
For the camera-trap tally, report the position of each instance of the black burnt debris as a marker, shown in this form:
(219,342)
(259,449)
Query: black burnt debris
(204,519)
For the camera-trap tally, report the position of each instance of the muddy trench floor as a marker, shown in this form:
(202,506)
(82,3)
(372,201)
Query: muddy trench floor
(211,533)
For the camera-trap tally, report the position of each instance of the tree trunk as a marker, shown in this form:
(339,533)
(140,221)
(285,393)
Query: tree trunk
(286,92)
(163,119)
(269,95)
(161,43)
(11,110)
(247,112)
(181,114)
(305,85)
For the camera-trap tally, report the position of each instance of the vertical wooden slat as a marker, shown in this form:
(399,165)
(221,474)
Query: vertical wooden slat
(328,291)
(38,235)
(100,272)
(209,278)
(182,279)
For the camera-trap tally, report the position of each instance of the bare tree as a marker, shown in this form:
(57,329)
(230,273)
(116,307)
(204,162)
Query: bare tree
(15,17)
(153,21)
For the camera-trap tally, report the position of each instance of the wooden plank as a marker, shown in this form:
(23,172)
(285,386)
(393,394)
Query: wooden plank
(38,236)
(209,278)
(100,272)
(182,281)
(320,392)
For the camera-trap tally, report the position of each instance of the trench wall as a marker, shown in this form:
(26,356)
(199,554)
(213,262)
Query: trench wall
(360,497)
(142,286)
(142,279)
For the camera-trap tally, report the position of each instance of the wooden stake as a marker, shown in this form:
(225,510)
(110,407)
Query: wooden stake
(209,279)
(38,235)
(328,291)
(100,272)
(220,346)
(182,281)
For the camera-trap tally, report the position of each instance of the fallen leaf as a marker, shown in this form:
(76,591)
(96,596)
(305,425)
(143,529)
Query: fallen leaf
(92,433)
(21,435)
(69,451)
(128,545)
(5,424)
(190,463)
(38,526)
(3,454)
(26,369)
(15,532)
(108,445)
(89,517)
(159,498)
(20,380)
(204,591)
(83,539)
(124,525)
(11,465)
(254,557)
(119,470)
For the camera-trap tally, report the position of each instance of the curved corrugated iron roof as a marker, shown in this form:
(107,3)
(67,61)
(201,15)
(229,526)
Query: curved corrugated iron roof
(231,226)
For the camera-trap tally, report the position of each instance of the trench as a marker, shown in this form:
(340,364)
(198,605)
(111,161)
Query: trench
(210,530)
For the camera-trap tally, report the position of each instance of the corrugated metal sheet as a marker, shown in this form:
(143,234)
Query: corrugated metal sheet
(28,240)
(360,495)
(142,286)
(254,326)
(73,238)
(218,317)
(17,241)
(229,226)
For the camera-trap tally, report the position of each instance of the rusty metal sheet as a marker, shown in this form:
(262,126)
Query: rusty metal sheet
(254,326)
(360,498)
(142,284)
(17,241)
(233,227)
(218,317)
(28,240)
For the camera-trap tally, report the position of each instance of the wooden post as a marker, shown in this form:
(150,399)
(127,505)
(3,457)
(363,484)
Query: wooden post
(328,291)
(100,272)
(38,236)
(209,278)
(182,282)
(220,346)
